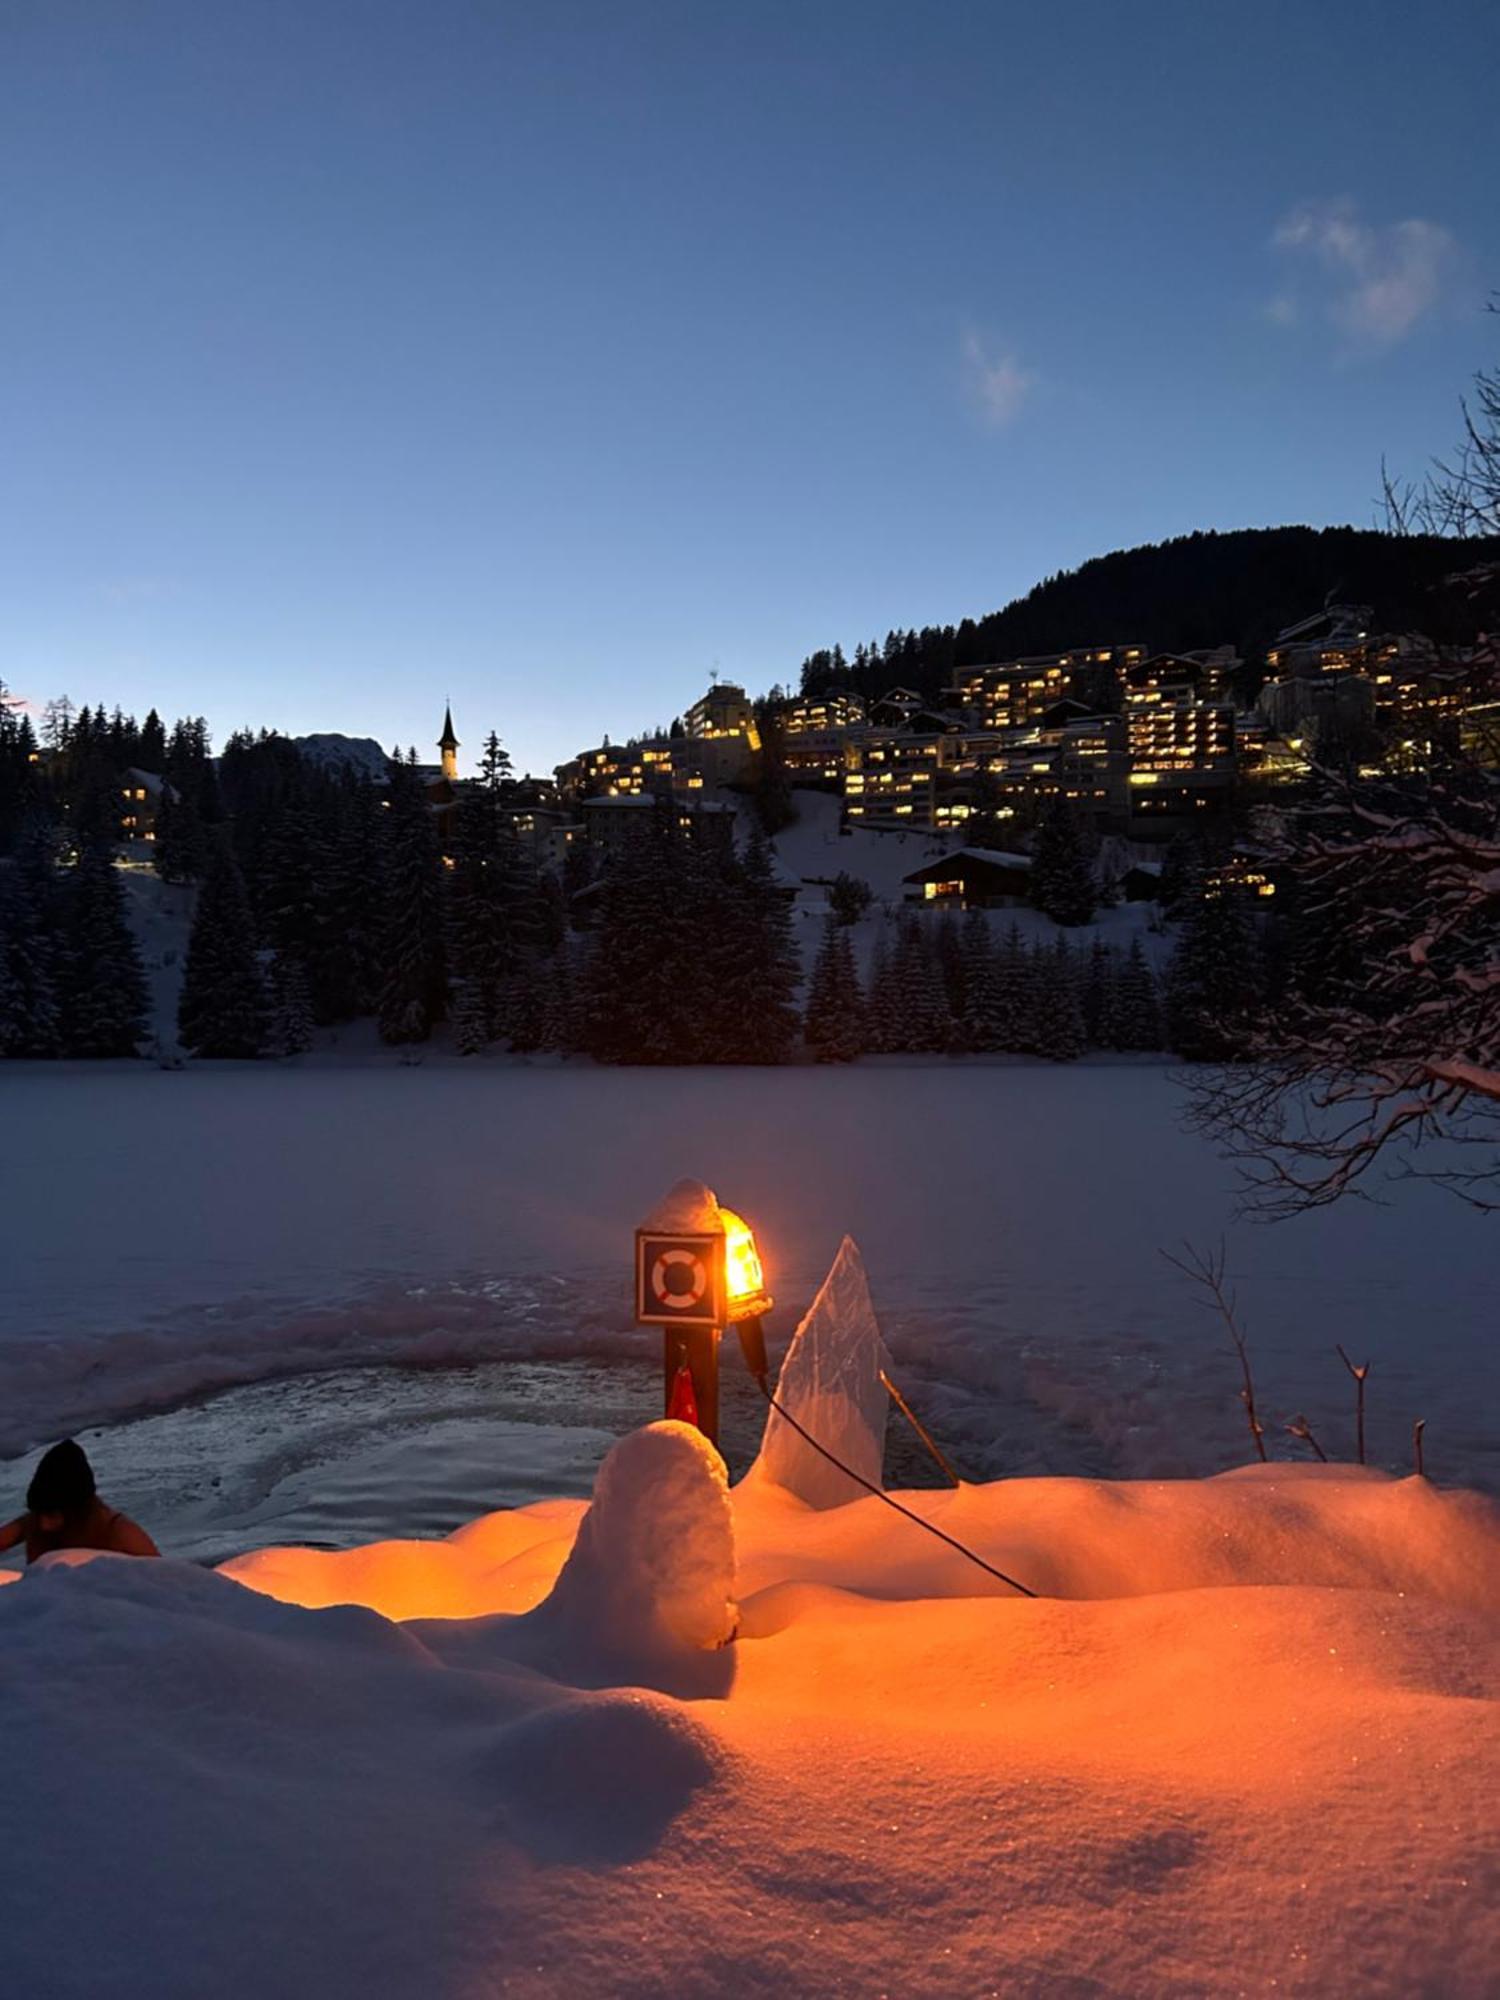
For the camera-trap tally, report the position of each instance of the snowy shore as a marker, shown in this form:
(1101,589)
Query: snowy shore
(1246,1744)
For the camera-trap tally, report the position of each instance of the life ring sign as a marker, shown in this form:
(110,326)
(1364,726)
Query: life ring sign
(679,1280)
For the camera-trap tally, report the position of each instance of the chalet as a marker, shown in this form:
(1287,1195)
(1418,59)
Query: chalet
(972,878)
(611,820)
(141,796)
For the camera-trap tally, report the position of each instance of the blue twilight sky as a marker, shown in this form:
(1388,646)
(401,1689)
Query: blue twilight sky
(357,355)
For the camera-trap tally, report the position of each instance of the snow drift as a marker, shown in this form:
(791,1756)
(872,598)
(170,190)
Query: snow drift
(1254,1747)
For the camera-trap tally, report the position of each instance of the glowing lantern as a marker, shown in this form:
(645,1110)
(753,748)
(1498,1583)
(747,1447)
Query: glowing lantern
(744,1279)
(698,1270)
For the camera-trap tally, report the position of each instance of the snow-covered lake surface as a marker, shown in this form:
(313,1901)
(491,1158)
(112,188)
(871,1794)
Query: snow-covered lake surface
(167,1236)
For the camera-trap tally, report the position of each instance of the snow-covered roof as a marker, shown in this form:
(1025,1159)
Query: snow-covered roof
(995,857)
(146,781)
(650,799)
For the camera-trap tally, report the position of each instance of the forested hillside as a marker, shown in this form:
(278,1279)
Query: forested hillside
(1199,590)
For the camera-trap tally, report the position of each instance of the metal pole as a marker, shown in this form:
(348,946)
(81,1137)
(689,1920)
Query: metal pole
(920,1428)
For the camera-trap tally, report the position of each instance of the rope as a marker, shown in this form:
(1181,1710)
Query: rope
(880,1493)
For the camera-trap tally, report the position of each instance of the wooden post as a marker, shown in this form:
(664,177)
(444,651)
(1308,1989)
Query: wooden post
(698,1346)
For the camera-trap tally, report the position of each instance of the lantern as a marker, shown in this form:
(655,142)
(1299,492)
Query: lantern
(698,1270)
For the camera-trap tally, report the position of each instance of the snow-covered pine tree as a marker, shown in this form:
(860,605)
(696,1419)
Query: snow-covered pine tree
(834,1023)
(1059,1014)
(921,1024)
(102,985)
(411,947)
(983,1026)
(291,1031)
(285,894)
(880,994)
(949,953)
(223,1009)
(30,948)
(1016,1027)
(1137,1008)
(559,978)
(1183,867)
(770,967)
(644,996)
(1062,873)
(1099,997)
(1213,984)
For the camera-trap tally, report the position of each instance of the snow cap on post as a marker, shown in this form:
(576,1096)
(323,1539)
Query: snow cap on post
(688,1208)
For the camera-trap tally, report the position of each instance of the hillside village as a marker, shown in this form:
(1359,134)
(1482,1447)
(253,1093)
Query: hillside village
(342,881)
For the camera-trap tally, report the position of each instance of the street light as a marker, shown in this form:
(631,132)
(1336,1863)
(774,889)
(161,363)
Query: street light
(698,1270)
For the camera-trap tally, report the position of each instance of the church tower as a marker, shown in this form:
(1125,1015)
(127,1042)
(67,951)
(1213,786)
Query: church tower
(448,744)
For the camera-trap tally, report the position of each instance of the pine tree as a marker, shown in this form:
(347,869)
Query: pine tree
(1184,865)
(921,1023)
(152,750)
(222,1010)
(560,1011)
(1137,1012)
(1214,981)
(1099,997)
(343,965)
(1062,873)
(766,967)
(1059,1015)
(291,1007)
(180,848)
(411,943)
(880,996)
(948,951)
(834,1024)
(643,994)
(102,983)
(981,1022)
(30,1011)
(1015,1010)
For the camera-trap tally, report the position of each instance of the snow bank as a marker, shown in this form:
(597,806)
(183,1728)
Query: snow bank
(1189,1782)
(830,1382)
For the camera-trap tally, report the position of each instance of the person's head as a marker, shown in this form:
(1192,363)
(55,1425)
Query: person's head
(62,1487)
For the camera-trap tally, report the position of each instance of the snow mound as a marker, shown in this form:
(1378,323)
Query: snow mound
(1346,1528)
(505,1562)
(652,1570)
(601,1777)
(830,1382)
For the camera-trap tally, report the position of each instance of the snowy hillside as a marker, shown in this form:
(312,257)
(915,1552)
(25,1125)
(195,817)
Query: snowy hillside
(812,850)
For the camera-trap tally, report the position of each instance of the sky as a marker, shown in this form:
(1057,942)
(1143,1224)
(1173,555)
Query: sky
(355,357)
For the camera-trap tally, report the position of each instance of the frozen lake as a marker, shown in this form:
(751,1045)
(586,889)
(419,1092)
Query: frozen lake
(437,1238)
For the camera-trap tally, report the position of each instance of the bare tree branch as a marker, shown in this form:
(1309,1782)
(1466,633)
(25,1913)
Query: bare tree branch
(1207,1272)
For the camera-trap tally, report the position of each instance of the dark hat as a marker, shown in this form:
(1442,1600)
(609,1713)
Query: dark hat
(63,1483)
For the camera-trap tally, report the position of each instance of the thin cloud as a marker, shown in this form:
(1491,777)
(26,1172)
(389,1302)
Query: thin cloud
(994,380)
(1376,281)
(131,590)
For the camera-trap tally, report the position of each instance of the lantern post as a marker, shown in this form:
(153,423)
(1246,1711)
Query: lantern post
(698,1271)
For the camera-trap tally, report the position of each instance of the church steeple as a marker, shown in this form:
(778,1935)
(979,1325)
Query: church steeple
(448,744)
